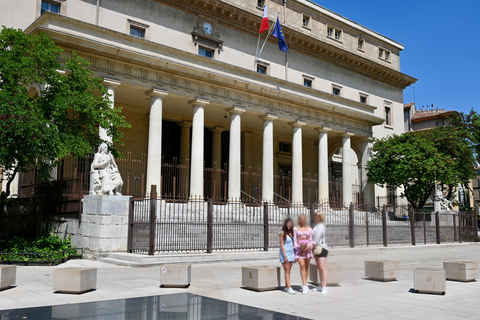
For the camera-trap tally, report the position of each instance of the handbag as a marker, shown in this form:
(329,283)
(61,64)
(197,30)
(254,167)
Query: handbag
(318,250)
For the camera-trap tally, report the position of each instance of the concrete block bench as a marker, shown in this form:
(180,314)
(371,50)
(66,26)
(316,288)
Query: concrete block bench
(382,270)
(261,278)
(334,274)
(428,280)
(74,280)
(464,271)
(175,275)
(8,276)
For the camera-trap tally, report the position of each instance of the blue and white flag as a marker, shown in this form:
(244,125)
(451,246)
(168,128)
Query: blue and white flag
(277,33)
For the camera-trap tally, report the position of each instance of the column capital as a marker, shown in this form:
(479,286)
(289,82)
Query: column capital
(347,134)
(236,110)
(112,83)
(155,92)
(365,138)
(199,102)
(217,129)
(323,129)
(268,117)
(185,124)
(297,123)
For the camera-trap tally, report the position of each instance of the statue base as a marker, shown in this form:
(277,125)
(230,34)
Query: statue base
(104,225)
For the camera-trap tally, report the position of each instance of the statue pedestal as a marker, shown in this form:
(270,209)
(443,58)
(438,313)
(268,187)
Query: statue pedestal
(104,225)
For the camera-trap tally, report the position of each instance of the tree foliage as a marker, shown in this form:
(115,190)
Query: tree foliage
(470,122)
(39,128)
(416,161)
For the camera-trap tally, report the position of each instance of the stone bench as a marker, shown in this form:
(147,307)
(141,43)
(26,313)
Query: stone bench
(261,278)
(8,276)
(74,280)
(175,275)
(381,270)
(428,280)
(464,271)
(334,274)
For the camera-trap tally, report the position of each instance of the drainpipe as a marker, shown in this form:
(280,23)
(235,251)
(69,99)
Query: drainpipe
(97,12)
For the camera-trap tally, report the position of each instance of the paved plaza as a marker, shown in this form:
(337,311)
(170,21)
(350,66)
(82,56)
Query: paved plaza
(355,298)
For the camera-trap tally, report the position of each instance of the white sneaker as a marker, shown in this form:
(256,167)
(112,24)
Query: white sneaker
(318,289)
(305,290)
(291,291)
(324,291)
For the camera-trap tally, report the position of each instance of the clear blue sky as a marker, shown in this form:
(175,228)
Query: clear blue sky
(442,45)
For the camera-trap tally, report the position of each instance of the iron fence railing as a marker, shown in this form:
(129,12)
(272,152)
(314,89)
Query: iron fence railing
(158,227)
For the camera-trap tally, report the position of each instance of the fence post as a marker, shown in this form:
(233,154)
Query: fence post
(412,227)
(312,215)
(351,222)
(437,226)
(265,226)
(153,219)
(130,225)
(384,225)
(460,223)
(210,226)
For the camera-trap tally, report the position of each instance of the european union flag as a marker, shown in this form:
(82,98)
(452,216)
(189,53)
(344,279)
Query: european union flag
(277,33)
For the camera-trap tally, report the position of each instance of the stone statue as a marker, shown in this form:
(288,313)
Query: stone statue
(445,204)
(104,174)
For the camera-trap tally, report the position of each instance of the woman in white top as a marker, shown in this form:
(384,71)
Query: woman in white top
(320,257)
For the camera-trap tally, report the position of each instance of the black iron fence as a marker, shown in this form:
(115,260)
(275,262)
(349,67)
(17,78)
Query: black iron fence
(157,226)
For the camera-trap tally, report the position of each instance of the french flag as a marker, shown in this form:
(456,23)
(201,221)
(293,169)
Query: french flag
(264,25)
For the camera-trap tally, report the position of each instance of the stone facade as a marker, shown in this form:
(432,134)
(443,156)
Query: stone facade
(160,76)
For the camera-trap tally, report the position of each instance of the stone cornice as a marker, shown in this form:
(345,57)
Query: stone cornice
(248,22)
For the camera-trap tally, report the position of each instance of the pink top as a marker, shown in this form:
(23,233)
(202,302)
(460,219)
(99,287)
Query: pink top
(303,235)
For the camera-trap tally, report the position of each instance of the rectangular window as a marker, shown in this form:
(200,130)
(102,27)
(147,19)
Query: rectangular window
(334,33)
(384,54)
(205,52)
(306,21)
(137,32)
(361,44)
(285,147)
(336,91)
(363,98)
(307,81)
(260,3)
(50,7)
(388,116)
(262,68)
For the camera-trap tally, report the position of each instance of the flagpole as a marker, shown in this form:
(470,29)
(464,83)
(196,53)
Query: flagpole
(258,56)
(258,44)
(285,24)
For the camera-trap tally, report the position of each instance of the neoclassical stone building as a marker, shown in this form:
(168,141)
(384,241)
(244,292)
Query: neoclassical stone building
(205,122)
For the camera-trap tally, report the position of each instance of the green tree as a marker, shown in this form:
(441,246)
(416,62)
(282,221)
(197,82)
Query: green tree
(62,119)
(470,122)
(417,161)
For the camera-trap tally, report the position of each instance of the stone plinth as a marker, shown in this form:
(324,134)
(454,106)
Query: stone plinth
(464,271)
(176,275)
(381,270)
(334,274)
(261,278)
(104,225)
(74,280)
(8,276)
(427,280)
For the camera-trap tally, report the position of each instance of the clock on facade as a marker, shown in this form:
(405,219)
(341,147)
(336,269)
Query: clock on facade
(207,27)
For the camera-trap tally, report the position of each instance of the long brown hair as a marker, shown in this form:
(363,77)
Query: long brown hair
(286,231)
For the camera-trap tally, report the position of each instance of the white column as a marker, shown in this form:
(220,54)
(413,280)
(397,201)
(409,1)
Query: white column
(297,163)
(184,141)
(346,169)
(196,161)
(367,188)
(154,155)
(323,185)
(234,154)
(110,85)
(267,160)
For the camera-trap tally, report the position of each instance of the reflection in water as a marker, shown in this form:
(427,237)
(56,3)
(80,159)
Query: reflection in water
(183,306)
